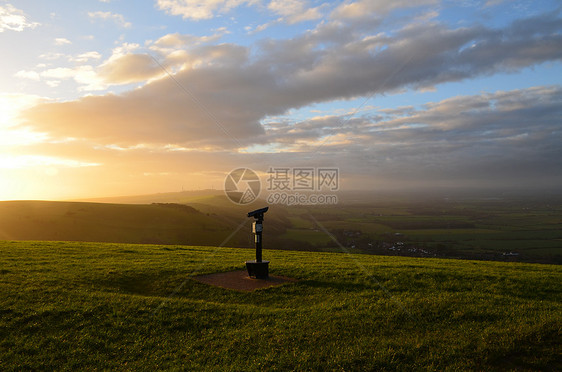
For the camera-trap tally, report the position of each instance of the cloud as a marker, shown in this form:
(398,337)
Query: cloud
(51,56)
(291,11)
(294,11)
(487,118)
(124,66)
(117,18)
(499,138)
(25,74)
(254,30)
(14,19)
(84,57)
(53,83)
(370,8)
(489,139)
(504,138)
(220,94)
(199,10)
(129,68)
(62,41)
(177,41)
(175,51)
(147,116)
(224,98)
(492,3)
(84,75)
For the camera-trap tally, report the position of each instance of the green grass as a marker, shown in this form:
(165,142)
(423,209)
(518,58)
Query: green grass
(86,306)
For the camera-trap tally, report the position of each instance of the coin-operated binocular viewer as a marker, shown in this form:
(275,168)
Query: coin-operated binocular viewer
(258,269)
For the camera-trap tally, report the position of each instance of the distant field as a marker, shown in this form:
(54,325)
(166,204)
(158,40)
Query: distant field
(528,228)
(314,237)
(100,306)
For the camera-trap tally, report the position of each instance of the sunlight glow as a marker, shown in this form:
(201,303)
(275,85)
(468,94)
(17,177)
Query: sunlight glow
(32,161)
(10,107)
(20,137)
(12,104)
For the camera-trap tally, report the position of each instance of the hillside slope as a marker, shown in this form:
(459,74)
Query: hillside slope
(119,223)
(95,306)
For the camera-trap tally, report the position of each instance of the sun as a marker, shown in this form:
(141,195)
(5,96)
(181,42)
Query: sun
(12,104)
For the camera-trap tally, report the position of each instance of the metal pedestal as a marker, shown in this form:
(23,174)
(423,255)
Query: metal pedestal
(258,270)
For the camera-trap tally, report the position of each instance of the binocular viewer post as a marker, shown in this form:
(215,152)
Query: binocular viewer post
(258,269)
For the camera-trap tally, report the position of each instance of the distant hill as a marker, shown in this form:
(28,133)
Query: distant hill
(160,223)
(168,197)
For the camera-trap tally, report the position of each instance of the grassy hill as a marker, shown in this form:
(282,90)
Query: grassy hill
(119,223)
(102,306)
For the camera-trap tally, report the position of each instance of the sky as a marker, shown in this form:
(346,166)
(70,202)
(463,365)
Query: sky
(120,97)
